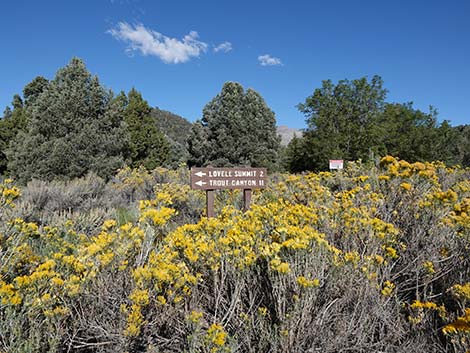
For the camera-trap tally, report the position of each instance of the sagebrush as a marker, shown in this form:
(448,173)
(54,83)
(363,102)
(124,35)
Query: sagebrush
(364,260)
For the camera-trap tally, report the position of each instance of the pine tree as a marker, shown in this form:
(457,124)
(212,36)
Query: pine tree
(295,155)
(74,127)
(198,144)
(238,128)
(148,146)
(12,123)
(33,89)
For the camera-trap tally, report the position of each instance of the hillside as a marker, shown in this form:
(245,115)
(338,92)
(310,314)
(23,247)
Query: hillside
(172,125)
(176,129)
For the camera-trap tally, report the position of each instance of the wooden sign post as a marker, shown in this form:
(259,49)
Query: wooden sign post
(210,203)
(211,179)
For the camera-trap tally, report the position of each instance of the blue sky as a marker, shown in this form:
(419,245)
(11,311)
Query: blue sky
(179,53)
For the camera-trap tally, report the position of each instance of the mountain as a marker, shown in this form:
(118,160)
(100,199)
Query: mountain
(287,134)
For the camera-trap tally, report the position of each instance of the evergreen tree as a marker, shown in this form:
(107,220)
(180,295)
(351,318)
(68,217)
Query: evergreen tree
(33,89)
(148,146)
(198,144)
(173,126)
(12,123)
(463,144)
(296,157)
(74,127)
(18,116)
(5,137)
(238,128)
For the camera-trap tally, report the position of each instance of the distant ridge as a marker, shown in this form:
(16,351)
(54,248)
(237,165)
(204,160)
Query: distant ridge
(287,134)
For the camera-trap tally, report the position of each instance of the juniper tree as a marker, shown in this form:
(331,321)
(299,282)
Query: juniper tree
(74,127)
(147,145)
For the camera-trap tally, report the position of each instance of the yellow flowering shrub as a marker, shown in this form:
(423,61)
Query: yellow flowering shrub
(316,253)
(387,289)
(8,193)
(460,325)
(462,291)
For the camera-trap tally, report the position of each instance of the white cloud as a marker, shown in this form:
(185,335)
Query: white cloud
(149,42)
(268,60)
(223,47)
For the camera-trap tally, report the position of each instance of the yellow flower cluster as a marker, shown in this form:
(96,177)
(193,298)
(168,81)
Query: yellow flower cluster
(461,325)
(419,309)
(8,193)
(406,186)
(195,316)
(301,231)
(402,169)
(429,267)
(387,288)
(8,294)
(151,211)
(462,291)
(423,305)
(460,216)
(308,283)
(49,276)
(216,336)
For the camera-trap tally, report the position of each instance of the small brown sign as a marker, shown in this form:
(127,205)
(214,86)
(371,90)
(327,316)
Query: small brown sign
(228,178)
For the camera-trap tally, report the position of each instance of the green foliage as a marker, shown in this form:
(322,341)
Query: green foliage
(351,121)
(198,144)
(295,155)
(148,146)
(237,128)
(33,89)
(173,126)
(408,131)
(463,144)
(176,129)
(12,123)
(416,136)
(71,125)
(342,120)
(74,127)
(15,121)
(5,137)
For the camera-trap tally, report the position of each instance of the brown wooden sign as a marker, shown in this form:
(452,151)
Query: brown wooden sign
(211,179)
(228,178)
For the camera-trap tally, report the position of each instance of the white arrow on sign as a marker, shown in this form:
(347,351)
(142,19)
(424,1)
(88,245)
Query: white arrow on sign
(200,183)
(200,174)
